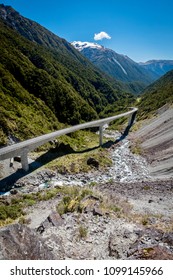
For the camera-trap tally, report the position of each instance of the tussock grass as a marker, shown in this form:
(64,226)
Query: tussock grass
(82,232)
(80,146)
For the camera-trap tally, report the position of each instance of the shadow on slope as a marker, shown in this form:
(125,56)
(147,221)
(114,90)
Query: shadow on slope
(57,152)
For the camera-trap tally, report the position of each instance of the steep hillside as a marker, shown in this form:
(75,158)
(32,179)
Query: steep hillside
(21,113)
(156,141)
(156,95)
(82,75)
(27,91)
(116,65)
(55,76)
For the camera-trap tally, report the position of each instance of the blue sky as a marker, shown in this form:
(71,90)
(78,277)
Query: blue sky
(141,29)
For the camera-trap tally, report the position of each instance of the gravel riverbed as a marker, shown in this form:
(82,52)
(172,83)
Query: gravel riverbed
(126,167)
(143,221)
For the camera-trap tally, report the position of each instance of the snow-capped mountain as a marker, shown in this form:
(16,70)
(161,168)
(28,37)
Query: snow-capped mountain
(82,45)
(121,66)
(116,65)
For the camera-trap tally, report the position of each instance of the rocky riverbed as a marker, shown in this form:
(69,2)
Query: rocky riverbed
(136,221)
(126,167)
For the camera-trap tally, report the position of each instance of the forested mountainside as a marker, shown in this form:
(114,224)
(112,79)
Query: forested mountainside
(156,95)
(44,80)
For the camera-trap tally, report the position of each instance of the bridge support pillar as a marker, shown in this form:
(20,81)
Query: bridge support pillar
(101,135)
(132,118)
(24,161)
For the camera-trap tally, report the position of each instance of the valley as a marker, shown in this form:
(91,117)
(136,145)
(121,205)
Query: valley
(81,200)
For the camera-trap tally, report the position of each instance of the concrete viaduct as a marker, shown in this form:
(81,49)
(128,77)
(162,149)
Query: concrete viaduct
(23,148)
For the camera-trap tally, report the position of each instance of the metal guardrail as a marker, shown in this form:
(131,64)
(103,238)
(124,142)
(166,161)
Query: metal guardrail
(23,148)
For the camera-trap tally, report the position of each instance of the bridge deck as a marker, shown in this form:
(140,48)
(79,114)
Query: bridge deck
(22,148)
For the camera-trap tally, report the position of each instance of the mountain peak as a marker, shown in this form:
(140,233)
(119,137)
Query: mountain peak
(83,45)
(118,66)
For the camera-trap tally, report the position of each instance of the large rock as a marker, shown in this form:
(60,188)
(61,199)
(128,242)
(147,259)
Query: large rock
(54,219)
(168,238)
(152,253)
(112,248)
(18,242)
(152,244)
(93,162)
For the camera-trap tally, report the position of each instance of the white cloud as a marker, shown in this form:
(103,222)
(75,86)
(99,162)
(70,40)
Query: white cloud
(101,35)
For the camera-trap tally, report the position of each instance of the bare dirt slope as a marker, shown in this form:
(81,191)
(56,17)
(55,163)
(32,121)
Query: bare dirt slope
(156,140)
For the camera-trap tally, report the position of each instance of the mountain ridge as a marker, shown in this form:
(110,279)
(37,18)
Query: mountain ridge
(122,67)
(116,65)
(158,66)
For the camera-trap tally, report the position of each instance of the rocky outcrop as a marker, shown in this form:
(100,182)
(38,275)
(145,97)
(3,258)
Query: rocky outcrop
(152,253)
(20,242)
(152,244)
(54,219)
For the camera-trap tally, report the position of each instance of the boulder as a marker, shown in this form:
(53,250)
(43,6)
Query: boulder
(97,211)
(151,253)
(148,246)
(112,248)
(54,219)
(168,238)
(13,191)
(19,242)
(92,161)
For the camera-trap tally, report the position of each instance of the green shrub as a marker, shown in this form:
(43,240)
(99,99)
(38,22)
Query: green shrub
(82,232)
(10,211)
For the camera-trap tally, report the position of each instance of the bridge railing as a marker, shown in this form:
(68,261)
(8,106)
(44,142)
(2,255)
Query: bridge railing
(23,148)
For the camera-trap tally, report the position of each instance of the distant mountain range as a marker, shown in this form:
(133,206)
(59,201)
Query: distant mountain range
(158,67)
(121,66)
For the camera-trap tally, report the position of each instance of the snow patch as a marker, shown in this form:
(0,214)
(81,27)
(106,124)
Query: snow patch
(83,45)
(4,15)
(120,66)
